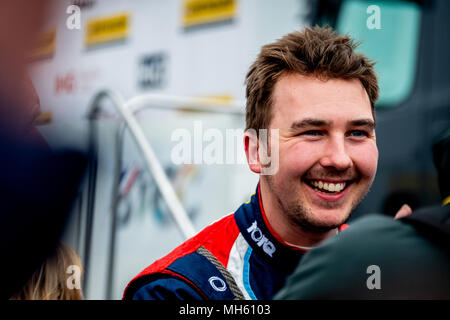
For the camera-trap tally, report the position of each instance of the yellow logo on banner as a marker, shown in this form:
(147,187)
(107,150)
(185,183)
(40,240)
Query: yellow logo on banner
(197,12)
(45,45)
(43,118)
(106,29)
(217,100)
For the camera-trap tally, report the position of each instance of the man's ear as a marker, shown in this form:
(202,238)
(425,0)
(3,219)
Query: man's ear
(251,146)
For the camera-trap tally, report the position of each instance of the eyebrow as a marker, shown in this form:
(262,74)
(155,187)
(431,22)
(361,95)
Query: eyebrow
(369,123)
(311,122)
(308,122)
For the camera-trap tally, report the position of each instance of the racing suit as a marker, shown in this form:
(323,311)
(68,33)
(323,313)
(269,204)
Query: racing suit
(236,257)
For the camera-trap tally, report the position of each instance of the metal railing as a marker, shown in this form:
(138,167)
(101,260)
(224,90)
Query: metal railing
(128,111)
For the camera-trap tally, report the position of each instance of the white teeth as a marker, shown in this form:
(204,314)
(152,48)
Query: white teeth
(332,187)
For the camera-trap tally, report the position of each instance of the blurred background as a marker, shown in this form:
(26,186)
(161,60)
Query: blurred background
(149,54)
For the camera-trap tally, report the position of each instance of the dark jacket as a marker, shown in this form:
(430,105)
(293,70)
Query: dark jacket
(411,258)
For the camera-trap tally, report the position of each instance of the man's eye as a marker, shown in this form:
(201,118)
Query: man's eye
(358,133)
(313,133)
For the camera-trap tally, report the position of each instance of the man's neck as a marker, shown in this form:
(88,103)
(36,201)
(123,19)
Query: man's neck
(289,232)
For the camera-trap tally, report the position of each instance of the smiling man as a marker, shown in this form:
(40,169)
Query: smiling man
(316,96)
(327,156)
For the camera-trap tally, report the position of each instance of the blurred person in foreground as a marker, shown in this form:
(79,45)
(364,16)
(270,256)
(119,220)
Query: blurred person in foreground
(381,258)
(49,281)
(315,97)
(37,184)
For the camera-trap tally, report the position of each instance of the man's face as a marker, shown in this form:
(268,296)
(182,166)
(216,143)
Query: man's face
(327,150)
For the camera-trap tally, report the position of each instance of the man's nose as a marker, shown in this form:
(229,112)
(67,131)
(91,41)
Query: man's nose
(335,154)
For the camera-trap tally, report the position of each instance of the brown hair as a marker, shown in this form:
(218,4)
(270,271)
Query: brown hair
(49,281)
(318,52)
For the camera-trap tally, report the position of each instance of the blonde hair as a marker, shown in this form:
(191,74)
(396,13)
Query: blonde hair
(49,281)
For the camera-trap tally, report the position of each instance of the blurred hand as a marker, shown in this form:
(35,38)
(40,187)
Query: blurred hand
(404,211)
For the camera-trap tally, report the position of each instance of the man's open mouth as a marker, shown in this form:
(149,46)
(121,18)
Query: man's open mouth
(329,187)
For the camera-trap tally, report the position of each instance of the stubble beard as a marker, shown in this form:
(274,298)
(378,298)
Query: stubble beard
(301,216)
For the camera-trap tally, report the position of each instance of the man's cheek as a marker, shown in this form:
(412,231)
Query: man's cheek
(298,158)
(367,161)
(293,167)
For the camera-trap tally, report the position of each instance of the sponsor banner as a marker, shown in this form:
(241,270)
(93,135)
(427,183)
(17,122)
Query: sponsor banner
(199,12)
(65,83)
(152,71)
(45,46)
(218,100)
(73,82)
(44,118)
(83,4)
(107,29)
